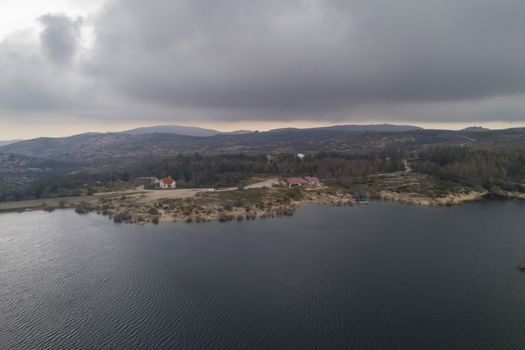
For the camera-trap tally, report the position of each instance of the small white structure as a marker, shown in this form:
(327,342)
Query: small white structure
(270,158)
(300,156)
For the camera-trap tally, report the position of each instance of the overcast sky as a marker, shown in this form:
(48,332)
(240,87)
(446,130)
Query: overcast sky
(68,66)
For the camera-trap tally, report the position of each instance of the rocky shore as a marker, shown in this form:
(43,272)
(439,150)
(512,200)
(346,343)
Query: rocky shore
(422,200)
(269,203)
(139,207)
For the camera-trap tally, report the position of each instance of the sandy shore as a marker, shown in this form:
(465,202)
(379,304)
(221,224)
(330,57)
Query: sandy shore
(60,202)
(139,195)
(418,199)
(200,204)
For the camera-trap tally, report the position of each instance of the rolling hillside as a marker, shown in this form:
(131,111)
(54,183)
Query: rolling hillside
(108,147)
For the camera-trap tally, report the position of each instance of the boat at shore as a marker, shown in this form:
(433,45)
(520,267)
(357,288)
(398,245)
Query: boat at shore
(361,199)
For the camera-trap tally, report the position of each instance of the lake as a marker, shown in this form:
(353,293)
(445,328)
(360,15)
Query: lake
(382,276)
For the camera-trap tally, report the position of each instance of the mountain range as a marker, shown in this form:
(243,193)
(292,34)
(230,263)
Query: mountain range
(205,132)
(120,148)
(174,139)
(182,130)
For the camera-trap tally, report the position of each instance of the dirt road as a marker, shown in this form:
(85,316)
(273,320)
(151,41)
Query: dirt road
(140,194)
(149,196)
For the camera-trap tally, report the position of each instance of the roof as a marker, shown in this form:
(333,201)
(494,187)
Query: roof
(311,179)
(296,180)
(167,181)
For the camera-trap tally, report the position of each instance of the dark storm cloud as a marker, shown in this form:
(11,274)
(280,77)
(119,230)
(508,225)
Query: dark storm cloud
(60,37)
(422,60)
(37,75)
(310,57)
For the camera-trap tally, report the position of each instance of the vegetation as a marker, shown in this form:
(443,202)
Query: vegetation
(476,168)
(442,162)
(233,170)
(66,185)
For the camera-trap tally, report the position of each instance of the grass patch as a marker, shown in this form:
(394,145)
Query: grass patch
(255,196)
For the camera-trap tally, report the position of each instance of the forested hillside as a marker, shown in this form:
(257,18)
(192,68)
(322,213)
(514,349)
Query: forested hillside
(475,167)
(50,167)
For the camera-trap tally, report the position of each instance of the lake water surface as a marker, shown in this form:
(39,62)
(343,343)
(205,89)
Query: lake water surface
(383,276)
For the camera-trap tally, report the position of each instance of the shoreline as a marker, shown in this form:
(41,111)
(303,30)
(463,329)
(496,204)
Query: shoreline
(426,201)
(131,206)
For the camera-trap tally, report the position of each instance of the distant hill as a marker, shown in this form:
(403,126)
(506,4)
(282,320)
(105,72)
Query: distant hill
(375,128)
(162,141)
(203,132)
(121,149)
(16,169)
(475,129)
(5,143)
(181,130)
(91,146)
(360,128)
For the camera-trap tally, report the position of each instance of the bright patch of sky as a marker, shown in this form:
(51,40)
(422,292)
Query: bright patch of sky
(18,15)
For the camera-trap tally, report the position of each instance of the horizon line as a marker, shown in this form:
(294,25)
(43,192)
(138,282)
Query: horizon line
(456,126)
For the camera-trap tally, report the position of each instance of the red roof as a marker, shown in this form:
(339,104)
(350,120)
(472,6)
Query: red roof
(296,180)
(311,179)
(167,181)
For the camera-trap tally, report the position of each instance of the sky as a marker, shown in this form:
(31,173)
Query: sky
(71,66)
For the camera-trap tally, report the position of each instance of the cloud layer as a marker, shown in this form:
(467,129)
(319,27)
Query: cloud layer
(179,60)
(60,37)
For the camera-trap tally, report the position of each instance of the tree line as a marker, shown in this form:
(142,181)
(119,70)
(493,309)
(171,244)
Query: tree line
(197,170)
(231,170)
(475,167)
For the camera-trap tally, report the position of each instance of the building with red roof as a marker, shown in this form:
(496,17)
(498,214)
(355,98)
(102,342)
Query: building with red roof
(301,181)
(312,180)
(295,181)
(167,182)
